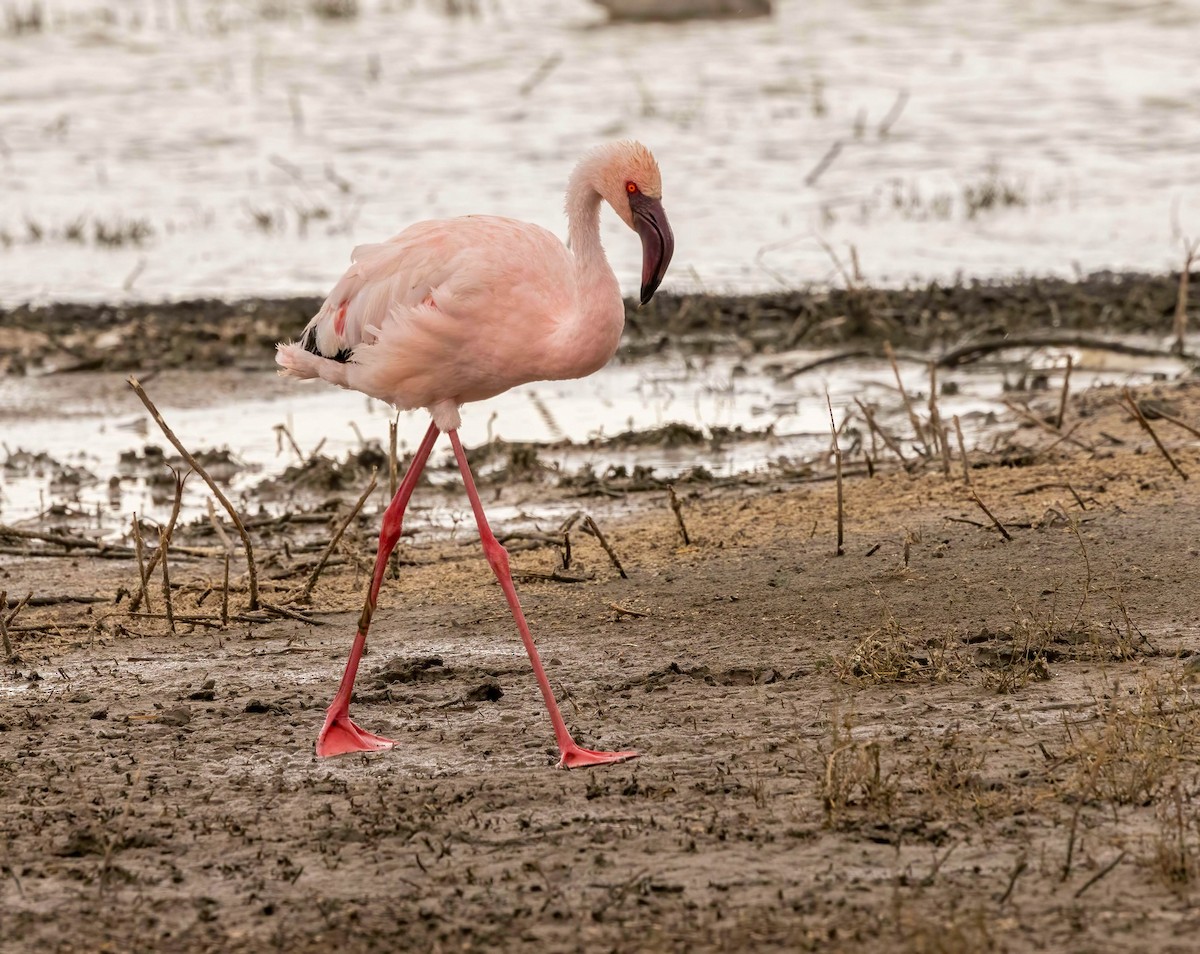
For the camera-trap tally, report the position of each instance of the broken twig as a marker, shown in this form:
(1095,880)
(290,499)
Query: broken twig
(677,507)
(837,460)
(991,516)
(1141,419)
(590,525)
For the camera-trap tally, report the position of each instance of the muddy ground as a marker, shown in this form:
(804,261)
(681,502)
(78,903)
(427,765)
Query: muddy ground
(205,333)
(942,740)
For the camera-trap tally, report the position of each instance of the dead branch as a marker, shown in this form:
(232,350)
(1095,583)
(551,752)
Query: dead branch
(1026,415)
(991,516)
(908,405)
(306,593)
(8,650)
(962,450)
(63,540)
(1141,419)
(677,508)
(1062,401)
(590,526)
(195,465)
(967,353)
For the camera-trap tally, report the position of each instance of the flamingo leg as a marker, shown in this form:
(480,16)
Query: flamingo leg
(572,755)
(339,734)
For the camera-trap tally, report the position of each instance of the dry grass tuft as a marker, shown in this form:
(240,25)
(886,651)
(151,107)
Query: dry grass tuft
(892,653)
(854,777)
(1146,739)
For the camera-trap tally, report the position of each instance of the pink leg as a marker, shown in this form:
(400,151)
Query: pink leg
(573,756)
(339,734)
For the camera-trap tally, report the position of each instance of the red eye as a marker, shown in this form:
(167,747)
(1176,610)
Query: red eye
(631,187)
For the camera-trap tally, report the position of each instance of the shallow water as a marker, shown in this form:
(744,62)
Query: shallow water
(88,420)
(205,147)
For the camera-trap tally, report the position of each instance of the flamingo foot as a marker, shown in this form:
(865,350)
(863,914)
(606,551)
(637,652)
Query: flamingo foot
(575,756)
(340,736)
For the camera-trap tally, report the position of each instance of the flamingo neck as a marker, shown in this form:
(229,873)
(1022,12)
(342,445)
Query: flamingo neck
(583,227)
(595,328)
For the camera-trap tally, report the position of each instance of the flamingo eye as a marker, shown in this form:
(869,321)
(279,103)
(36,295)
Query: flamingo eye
(631,187)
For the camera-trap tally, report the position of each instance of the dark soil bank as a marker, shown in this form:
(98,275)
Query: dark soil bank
(208,333)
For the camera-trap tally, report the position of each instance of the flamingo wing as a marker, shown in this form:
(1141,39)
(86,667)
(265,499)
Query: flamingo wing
(446,310)
(466,260)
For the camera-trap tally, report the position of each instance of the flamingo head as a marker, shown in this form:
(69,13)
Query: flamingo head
(626,176)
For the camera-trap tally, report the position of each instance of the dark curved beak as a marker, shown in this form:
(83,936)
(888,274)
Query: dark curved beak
(658,244)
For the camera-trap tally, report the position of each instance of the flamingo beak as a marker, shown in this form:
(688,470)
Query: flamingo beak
(658,243)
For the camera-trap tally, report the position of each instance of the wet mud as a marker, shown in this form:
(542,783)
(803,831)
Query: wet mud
(972,730)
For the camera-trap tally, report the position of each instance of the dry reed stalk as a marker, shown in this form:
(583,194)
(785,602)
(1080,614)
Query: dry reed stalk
(590,526)
(908,405)
(1180,322)
(8,650)
(837,462)
(163,543)
(216,525)
(306,593)
(251,570)
(225,593)
(282,431)
(143,594)
(1026,415)
(935,421)
(1066,872)
(1178,423)
(884,436)
(678,508)
(1062,400)
(991,516)
(1141,419)
(17,609)
(962,452)
(1101,873)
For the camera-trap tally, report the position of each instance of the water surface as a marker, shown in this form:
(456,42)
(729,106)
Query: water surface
(200,147)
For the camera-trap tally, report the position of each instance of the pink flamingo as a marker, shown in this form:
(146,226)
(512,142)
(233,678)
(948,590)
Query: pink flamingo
(461,310)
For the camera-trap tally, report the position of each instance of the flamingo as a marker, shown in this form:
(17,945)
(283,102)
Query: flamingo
(459,310)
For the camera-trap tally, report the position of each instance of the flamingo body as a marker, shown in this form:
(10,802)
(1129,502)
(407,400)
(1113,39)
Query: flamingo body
(460,310)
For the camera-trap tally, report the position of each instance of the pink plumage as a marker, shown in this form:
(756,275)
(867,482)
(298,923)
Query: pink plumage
(460,310)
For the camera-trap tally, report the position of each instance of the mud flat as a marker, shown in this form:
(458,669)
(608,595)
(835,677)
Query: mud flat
(973,730)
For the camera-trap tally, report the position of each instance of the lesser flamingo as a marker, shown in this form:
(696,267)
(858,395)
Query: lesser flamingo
(460,310)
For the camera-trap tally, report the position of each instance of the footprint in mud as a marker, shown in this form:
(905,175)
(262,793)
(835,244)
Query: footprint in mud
(423,669)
